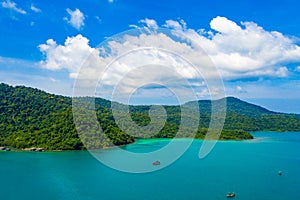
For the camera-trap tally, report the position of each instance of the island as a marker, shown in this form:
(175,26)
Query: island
(32,118)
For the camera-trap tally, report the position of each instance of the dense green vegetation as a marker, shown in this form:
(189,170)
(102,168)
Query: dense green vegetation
(33,118)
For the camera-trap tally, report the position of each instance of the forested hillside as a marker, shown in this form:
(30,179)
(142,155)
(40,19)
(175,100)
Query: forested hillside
(33,118)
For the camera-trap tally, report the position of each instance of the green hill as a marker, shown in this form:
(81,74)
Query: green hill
(233,105)
(33,118)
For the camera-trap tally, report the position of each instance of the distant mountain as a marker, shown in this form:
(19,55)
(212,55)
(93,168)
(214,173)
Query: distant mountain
(249,117)
(33,118)
(234,105)
(245,108)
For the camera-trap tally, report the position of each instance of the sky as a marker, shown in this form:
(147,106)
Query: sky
(253,46)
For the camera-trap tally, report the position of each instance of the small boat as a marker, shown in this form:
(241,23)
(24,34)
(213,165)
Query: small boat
(156,163)
(230,195)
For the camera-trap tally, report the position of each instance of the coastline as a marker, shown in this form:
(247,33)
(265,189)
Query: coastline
(119,146)
(157,139)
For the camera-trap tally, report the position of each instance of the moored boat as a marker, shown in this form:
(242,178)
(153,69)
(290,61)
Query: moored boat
(156,163)
(230,195)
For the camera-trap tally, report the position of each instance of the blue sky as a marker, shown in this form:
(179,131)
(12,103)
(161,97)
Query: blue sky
(273,81)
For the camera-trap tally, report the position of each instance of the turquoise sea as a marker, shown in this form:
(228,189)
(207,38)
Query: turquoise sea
(248,168)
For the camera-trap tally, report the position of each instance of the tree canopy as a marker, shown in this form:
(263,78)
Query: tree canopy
(33,118)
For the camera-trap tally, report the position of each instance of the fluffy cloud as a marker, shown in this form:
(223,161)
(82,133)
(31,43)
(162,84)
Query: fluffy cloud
(35,9)
(176,25)
(13,6)
(76,18)
(69,56)
(223,25)
(246,49)
(237,50)
(141,65)
(150,23)
(75,51)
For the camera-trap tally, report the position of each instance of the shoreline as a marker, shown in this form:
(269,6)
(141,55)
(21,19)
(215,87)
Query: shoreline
(136,140)
(112,147)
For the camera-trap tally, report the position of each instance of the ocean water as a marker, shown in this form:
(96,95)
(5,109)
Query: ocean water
(248,168)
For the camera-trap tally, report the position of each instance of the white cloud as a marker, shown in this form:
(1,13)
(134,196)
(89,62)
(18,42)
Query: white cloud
(35,9)
(76,18)
(13,6)
(203,93)
(238,51)
(242,50)
(110,1)
(133,26)
(223,25)
(265,89)
(69,56)
(298,68)
(53,79)
(282,72)
(240,89)
(98,19)
(75,51)
(150,23)
(177,25)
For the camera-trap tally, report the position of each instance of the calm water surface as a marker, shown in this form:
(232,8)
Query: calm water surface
(248,168)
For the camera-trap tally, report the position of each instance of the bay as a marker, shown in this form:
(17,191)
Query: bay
(248,168)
